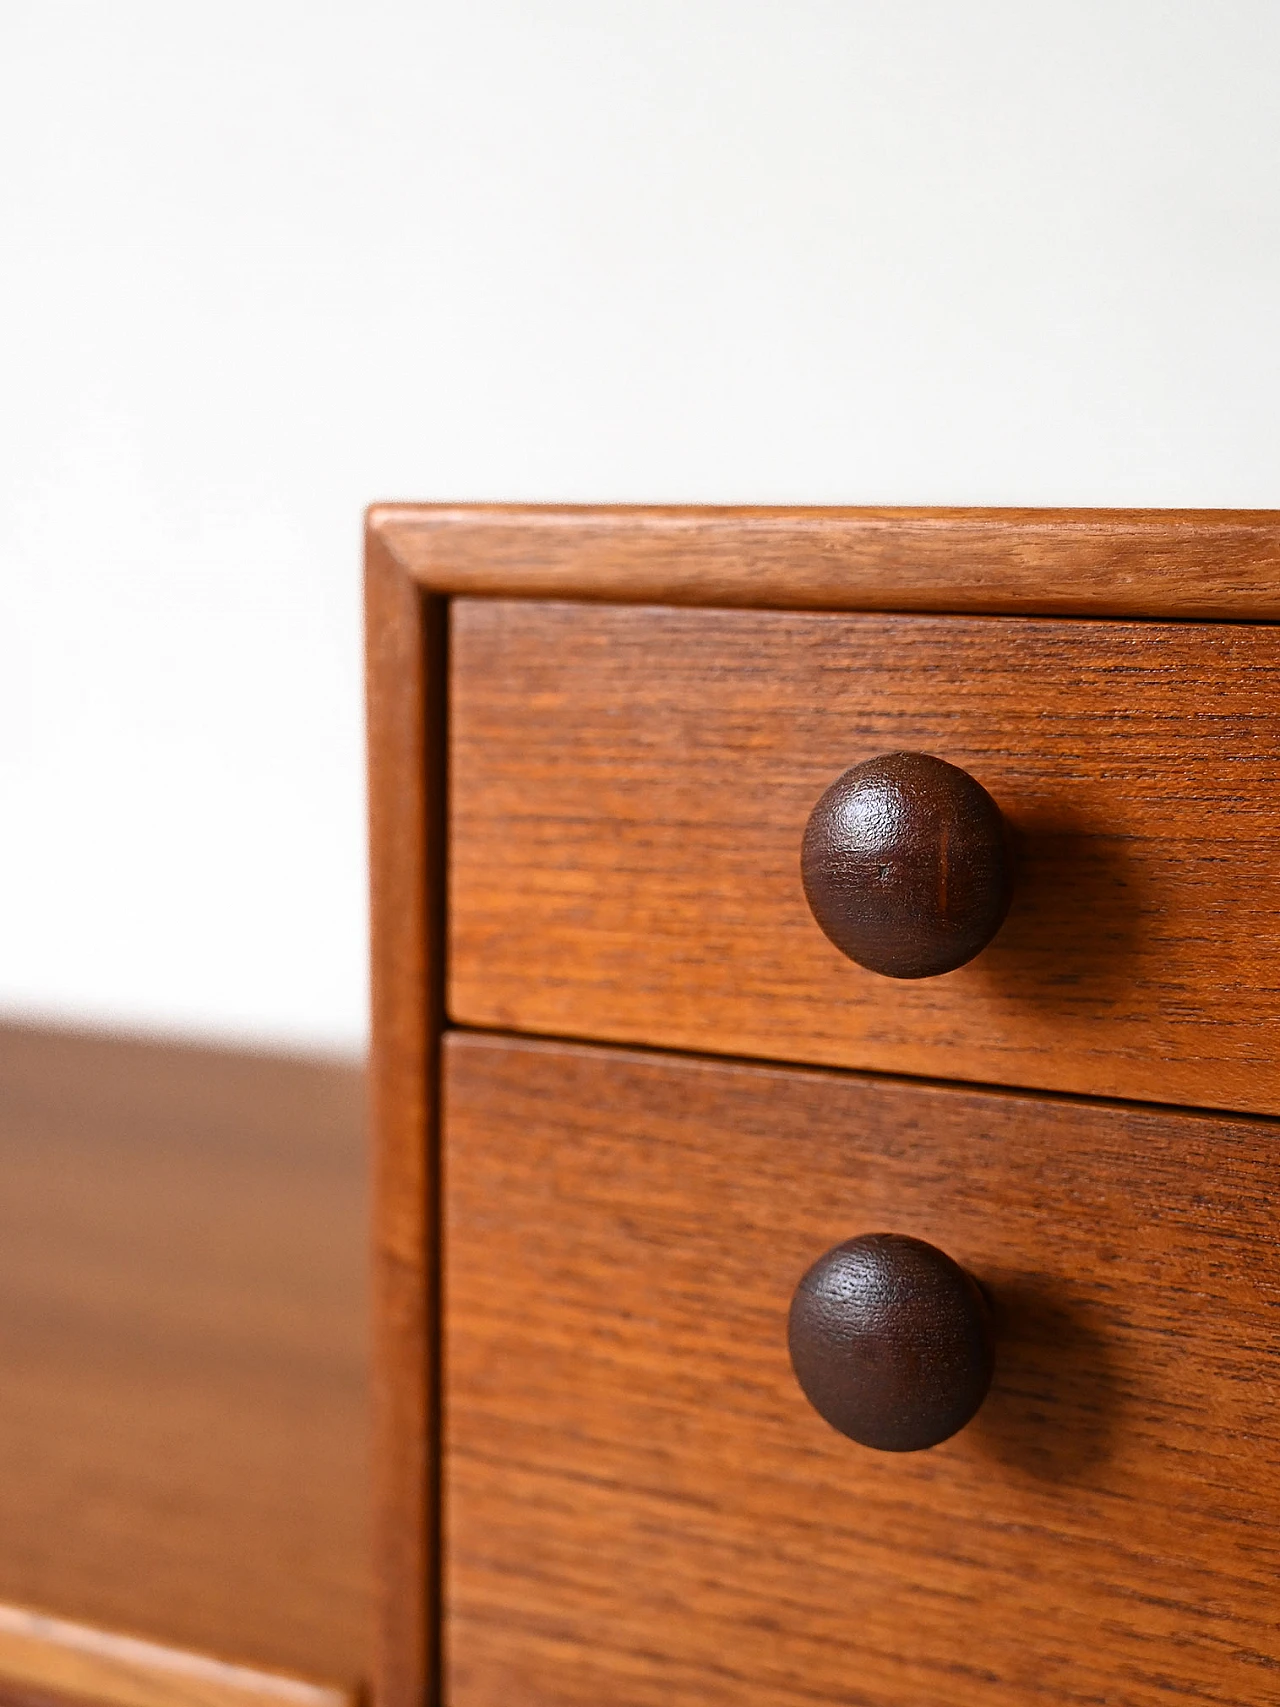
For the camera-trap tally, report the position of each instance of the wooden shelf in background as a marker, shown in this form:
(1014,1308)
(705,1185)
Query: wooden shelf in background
(183,1348)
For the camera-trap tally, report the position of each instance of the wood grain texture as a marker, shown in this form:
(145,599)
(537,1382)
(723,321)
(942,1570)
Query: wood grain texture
(641,1507)
(183,1348)
(51,1660)
(405,642)
(630,787)
(1171,563)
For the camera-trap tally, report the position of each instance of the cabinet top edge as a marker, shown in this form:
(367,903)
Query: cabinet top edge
(1189,564)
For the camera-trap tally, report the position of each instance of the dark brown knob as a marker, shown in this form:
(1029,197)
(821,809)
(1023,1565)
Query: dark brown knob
(906,865)
(891,1342)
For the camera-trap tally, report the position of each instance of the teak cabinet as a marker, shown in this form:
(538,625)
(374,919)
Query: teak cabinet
(627,1093)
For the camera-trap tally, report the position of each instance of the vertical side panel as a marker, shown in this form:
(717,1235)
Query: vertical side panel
(406,653)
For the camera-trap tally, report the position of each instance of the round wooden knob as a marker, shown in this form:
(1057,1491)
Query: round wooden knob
(891,1342)
(906,865)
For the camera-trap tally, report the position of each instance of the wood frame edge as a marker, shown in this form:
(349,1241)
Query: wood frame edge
(1177,564)
(405,637)
(43,1657)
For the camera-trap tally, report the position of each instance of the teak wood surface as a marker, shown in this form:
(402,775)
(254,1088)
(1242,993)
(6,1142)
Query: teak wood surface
(183,1363)
(405,653)
(630,787)
(53,1662)
(1171,564)
(641,1508)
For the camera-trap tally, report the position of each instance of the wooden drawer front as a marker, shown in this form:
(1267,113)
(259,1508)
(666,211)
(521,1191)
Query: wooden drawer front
(629,787)
(641,1509)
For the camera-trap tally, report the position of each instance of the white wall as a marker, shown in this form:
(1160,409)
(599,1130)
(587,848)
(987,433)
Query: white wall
(263,262)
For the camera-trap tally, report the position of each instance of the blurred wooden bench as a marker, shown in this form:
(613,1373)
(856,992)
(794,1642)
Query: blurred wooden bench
(182,1374)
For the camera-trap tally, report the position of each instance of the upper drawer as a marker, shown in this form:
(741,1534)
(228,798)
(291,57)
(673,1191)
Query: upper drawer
(629,787)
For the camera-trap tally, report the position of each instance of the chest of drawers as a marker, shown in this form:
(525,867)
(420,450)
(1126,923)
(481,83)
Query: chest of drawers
(627,1093)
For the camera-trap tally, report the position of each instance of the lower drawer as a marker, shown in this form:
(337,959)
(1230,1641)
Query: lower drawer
(642,1509)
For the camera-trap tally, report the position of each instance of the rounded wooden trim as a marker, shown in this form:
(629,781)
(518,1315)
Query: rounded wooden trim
(52,1660)
(1201,564)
